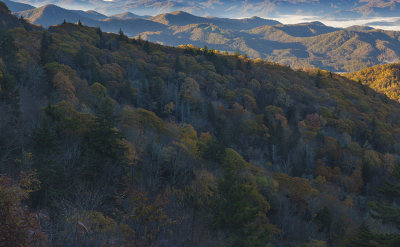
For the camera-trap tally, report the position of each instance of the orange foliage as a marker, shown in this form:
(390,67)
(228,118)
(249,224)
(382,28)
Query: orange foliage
(19,227)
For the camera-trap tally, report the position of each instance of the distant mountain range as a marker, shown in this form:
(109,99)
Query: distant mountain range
(235,8)
(49,15)
(310,44)
(301,45)
(133,24)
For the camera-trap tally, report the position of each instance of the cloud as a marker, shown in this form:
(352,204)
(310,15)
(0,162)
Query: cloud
(387,23)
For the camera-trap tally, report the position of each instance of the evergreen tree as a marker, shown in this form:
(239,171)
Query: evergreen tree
(178,64)
(51,174)
(363,237)
(388,211)
(45,54)
(318,79)
(9,71)
(9,92)
(103,148)
(122,36)
(240,208)
(8,51)
(146,46)
(102,42)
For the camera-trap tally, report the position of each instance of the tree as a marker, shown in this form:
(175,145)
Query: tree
(363,238)
(178,64)
(240,208)
(389,211)
(318,79)
(102,42)
(9,92)
(205,49)
(19,227)
(103,149)
(8,52)
(50,173)
(324,219)
(146,46)
(45,43)
(122,36)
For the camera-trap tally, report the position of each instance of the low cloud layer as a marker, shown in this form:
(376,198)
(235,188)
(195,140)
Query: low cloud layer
(387,23)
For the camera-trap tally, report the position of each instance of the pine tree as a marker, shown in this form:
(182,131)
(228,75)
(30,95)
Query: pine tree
(8,51)
(178,64)
(240,208)
(122,36)
(205,49)
(146,46)
(363,237)
(102,42)
(388,211)
(46,41)
(103,148)
(318,79)
(51,175)
(9,71)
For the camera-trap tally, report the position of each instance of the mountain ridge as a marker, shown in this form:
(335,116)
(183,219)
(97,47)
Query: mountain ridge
(138,144)
(311,44)
(50,15)
(16,6)
(238,7)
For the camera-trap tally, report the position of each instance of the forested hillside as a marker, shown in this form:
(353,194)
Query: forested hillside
(111,141)
(301,45)
(383,78)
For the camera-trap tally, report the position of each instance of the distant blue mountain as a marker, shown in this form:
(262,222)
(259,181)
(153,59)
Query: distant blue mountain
(235,8)
(16,6)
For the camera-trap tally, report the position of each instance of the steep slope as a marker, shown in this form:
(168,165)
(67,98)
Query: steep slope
(301,45)
(128,15)
(383,78)
(180,18)
(138,144)
(49,15)
(16,6)
(344,50)
(306,29)
(91,14)
(52,15)
(9,21)
(132,27)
